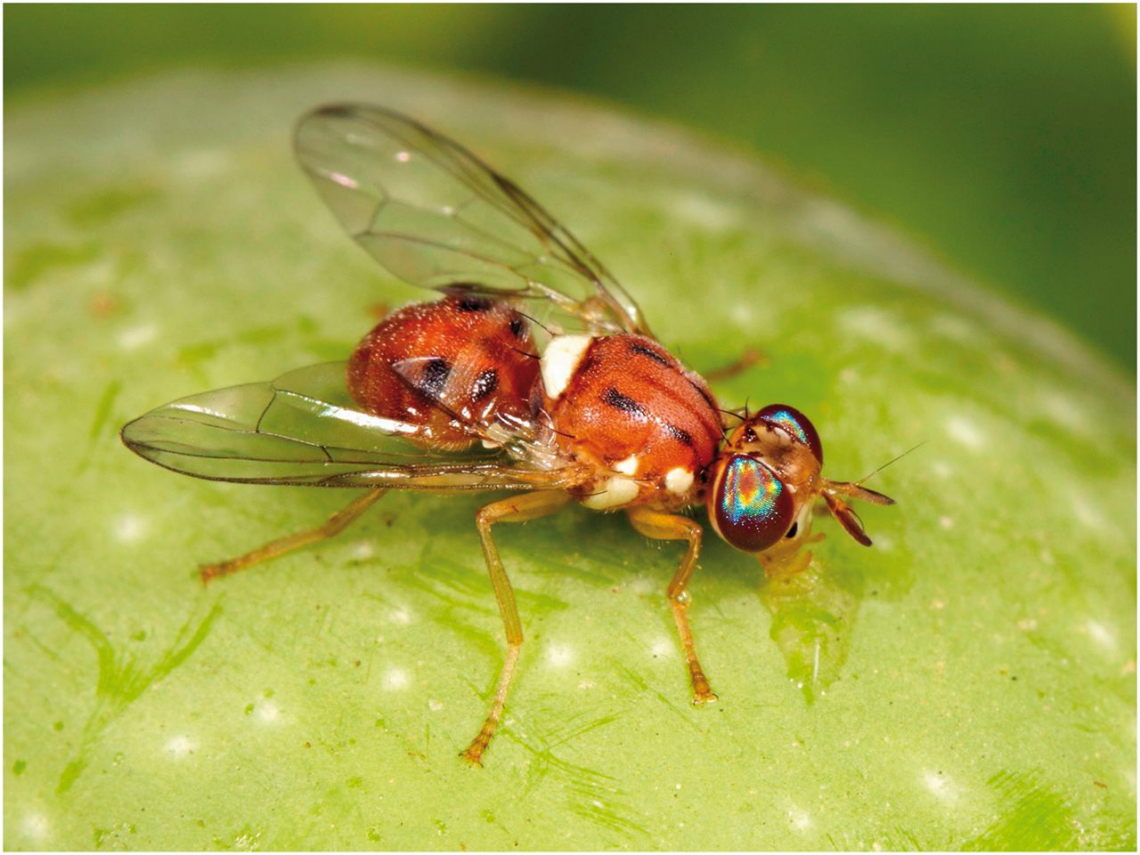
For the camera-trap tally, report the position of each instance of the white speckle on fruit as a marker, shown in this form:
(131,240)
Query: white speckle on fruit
(402,616)
(1101,633)
(800,819)
(363,550)
(559,655)
(946,522)
(954,327)
(133,338)
(129,528)
(641,586)
(661,647)
(942,469)
(966,432)
(701,210)
(36,826)
(396,680)
(940,786)
(266,711)
(180,747)
(434,705)
(876,325)
(743,313)
(1087,513)
(201,163)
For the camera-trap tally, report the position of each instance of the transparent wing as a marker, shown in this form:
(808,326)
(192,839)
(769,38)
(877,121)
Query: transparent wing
(436,216)
(303,429)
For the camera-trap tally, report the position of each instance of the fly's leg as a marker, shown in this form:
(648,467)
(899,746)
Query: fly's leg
(337,523)
(663,526)
(515,509)
(752,356)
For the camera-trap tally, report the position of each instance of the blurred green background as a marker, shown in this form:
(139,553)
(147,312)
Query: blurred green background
(1004,138)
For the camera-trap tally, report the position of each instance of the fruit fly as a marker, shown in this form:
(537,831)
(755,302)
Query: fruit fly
(469,393)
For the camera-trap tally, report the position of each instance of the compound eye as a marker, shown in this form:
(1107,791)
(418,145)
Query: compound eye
(794,423)
(751,507)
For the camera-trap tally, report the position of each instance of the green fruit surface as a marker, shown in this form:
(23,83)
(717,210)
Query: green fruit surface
(967,683)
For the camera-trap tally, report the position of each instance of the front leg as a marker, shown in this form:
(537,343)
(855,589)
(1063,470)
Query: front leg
(662,526)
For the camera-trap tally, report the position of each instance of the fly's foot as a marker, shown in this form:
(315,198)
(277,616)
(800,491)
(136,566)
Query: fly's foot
(702,692)
(474,752)
(209,572)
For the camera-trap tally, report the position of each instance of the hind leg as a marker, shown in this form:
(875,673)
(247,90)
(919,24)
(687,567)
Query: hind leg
(335,524)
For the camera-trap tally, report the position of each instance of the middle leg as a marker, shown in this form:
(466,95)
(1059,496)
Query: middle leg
(662,526)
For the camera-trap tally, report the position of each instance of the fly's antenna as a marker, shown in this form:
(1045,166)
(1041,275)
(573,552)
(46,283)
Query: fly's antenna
(526,353)
(890,462)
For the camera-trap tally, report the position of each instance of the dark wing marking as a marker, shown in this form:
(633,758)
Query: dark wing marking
(303,429)
(436,216)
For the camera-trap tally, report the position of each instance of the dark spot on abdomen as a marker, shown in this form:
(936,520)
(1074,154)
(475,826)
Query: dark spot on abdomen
(485,384)
(433,377)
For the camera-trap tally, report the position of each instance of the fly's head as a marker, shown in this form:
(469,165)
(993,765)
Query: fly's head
(765,481)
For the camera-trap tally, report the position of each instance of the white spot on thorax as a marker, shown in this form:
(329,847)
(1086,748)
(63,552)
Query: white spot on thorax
(561,360)
(396,679)
(129,528)
(617,491)
(678,480)
(628,466)
(966,432)
(180,747)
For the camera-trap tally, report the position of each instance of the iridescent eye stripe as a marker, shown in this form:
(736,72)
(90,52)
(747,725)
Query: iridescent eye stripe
(790,423)
(750,494)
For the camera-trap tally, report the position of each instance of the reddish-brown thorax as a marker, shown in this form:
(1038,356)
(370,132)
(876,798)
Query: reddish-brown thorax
(631,407)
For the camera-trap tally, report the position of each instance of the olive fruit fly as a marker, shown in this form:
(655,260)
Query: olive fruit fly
(467,393)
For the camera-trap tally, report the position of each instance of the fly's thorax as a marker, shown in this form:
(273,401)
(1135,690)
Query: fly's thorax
(631,411)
